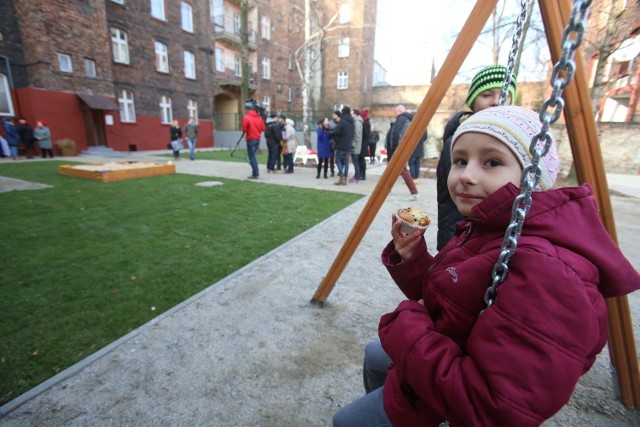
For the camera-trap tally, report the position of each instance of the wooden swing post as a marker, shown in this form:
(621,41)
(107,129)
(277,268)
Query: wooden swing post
(589,164)
(458,53)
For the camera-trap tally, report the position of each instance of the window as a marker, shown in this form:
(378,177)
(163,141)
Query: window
(219,60)
(6,104)
(64,62)
(266,103)
(236,23)
(266,68)
(120,46)
(289,98)
(236,65)
(162,57)
(345,13)
(90,67)
(166,115)
(187,17)
(343,47)
(192,108)
(118,1)
(266,28)
(343,80)
(290,62)
(127,107)
(189,65)
(157,9)
(217,12)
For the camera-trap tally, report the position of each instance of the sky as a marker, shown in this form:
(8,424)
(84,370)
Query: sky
(413,34)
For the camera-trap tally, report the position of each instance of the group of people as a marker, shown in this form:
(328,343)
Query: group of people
(347,136)
(178,135)
(446,355)
(22,137)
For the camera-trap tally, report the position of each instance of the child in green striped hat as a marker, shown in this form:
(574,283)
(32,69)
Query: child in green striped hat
(484,92)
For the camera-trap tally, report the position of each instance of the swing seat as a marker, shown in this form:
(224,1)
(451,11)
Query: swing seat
(303,153)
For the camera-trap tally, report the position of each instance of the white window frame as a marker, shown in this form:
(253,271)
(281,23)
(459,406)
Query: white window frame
(120,46)
(6,102)
(237,65)
(189,65)
(289,95)
(127,107)
(237,25)
(90,67)
(290,62)
(343,47)
(266,103)
(162,57)
(345,13)
(118,1)
(166,112)
(343,80)
(192,109)
(219,60)
(265,28)
(157,9)
(186,13)
(266,68)
(65,64)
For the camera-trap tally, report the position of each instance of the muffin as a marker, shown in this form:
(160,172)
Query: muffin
(413,219)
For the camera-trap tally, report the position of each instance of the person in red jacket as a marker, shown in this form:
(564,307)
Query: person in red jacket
(252,126)
(446,355)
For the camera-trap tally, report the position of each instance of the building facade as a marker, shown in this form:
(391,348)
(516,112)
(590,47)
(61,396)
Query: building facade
(108,73)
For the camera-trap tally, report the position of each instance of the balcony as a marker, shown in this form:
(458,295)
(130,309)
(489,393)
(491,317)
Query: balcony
(230,79)
(226,29)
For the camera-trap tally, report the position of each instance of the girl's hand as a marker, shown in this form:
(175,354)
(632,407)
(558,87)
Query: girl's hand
(404,244)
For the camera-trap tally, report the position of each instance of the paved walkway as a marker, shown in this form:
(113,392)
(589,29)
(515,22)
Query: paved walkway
(251,350)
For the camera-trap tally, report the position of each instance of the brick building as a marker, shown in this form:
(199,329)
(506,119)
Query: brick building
(107,73)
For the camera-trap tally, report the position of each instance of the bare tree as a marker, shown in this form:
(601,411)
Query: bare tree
(306,56)
(244,50)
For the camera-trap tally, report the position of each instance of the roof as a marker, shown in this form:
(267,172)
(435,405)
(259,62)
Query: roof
(98,102)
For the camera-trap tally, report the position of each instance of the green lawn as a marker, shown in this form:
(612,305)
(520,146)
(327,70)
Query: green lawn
(86,262)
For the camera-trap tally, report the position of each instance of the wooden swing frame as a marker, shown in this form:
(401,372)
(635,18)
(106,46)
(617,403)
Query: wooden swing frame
(585,147)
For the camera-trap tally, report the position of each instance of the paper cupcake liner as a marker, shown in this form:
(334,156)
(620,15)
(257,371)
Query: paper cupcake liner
(409,228)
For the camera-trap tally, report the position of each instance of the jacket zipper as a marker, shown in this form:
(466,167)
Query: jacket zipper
(467,235)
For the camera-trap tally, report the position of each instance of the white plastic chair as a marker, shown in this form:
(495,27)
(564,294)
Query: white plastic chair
(303,153)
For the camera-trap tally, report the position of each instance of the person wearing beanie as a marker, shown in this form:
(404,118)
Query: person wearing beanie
(484,92)
(443,354)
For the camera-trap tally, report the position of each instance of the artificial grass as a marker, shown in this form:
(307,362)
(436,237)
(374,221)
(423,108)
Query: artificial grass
(86,262)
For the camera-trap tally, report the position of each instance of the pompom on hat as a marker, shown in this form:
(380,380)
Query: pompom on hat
(515,127)
(490,77)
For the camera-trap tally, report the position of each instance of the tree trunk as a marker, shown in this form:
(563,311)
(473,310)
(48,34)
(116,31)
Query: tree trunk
(244,51)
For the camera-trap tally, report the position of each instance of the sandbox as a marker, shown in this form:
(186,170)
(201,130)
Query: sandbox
(117,171)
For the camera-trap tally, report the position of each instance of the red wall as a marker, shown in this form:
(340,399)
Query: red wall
(64,115)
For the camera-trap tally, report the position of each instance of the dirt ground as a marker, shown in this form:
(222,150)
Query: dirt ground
(251,350)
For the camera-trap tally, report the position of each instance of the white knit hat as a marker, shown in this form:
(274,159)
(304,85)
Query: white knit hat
(515,127)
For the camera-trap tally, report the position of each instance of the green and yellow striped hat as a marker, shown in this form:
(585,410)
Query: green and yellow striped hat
(488,78)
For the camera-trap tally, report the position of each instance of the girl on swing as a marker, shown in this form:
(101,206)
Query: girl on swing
(440,357)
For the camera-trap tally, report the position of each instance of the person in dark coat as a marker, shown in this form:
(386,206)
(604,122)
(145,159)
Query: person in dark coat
(343,134)
(273,135)
(25,131)
(484,92)
(366,135)
(403,117)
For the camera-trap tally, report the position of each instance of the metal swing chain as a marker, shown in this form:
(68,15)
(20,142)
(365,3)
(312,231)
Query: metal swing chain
(515,43)
(562,75)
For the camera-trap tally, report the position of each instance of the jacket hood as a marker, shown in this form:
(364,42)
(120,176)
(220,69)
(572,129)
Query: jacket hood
(290,122)
(347,118)
(568,218)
